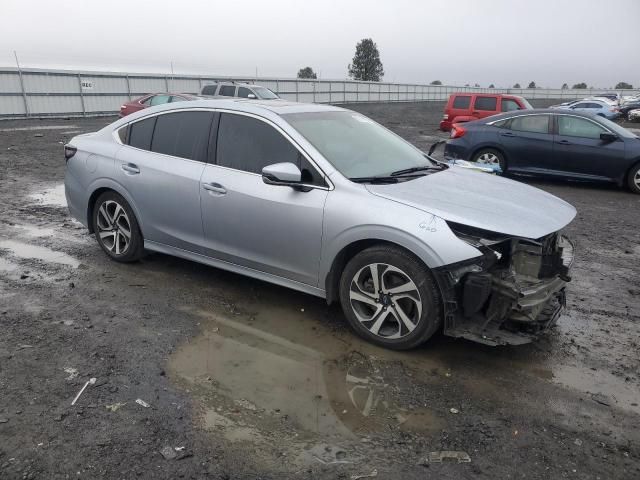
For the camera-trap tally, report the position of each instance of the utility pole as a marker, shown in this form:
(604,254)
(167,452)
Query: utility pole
(24,94)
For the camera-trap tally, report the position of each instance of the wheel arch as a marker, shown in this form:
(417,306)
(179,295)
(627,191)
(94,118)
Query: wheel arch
(491,146)
(105,185)
(625,178)
(340,261)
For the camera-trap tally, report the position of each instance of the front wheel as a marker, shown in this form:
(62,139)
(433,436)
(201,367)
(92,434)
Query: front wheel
(490,156)
(633,179)
(116,228)
(390,298)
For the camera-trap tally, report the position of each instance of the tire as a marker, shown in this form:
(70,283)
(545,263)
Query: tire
(633,179)
(378,316)
(112,218)
(491,156)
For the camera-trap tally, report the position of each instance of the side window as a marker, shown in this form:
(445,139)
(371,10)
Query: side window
(594,105)
(248,144)
(175,98)
(462,101)
(580,105)
(488,104)
(159,99)
(209,89)
(531,123)
(244,92)
(509,105)
(140,133)
(147,101)
(227,90)
(578,127)
(122,133)
(183,134)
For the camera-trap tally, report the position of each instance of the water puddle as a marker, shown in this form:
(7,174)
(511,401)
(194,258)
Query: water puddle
(52,196)
(38,127)
(25,250)
(36,231)
(332,392)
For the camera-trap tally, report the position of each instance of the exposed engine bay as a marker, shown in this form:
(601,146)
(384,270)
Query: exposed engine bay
(511,293)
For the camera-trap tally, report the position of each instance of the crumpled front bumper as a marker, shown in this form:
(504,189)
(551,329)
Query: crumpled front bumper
(502,310)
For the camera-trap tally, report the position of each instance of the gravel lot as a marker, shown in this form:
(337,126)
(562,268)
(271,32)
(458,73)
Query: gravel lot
(242,379)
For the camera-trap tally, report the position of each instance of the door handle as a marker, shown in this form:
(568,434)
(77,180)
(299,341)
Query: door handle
(130,168)
(214,187)
(564,142)
(507,134)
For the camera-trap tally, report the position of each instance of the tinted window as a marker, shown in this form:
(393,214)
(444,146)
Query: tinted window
(227,90)
(486,103)
(209,89)
(140,133)
(578,127)
(183,134)
(159,99)
(580,105)
(531,123)
(248,144)
(462,101)
(244,92)
(509,105)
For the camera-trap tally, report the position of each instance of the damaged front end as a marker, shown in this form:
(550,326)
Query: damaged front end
(511,293)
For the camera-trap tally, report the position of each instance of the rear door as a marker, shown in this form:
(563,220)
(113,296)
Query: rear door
(485,106)
(160,168)
(578,149)
(460,106)
(528,142)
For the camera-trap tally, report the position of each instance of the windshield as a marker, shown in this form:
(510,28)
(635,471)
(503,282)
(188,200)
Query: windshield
(355,145)
(265,93)
(614,127)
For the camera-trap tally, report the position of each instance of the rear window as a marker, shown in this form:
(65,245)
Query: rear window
(462,101)
(209,90)
(140,133)
(227,90)
(183,134)
(486,103)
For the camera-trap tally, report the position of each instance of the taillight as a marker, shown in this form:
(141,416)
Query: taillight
(69,152)
(457,131)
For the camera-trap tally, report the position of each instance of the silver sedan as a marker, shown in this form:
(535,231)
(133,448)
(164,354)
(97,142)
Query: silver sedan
(326,201)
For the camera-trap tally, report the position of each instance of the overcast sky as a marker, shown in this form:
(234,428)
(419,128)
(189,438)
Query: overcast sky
(457,41)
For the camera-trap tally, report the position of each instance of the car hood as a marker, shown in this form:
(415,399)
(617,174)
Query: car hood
(483,201)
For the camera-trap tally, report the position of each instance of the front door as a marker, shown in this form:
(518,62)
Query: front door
(269,228)
(578,149)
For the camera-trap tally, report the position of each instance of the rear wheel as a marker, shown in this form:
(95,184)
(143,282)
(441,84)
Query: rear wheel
(116,228)
(633,180)
(390,298)
(490,156)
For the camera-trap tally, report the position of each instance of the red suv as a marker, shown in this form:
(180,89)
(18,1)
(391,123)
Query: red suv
(465,107)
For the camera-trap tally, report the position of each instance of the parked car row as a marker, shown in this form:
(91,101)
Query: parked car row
(601,106)
(220,89)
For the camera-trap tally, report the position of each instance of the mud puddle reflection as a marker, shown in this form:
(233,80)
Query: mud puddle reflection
(251,381)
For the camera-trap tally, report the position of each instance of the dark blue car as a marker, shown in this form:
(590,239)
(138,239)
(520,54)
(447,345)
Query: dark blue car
(551,142)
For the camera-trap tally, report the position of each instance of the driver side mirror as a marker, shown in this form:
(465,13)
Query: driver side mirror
(285,173)
(608,137)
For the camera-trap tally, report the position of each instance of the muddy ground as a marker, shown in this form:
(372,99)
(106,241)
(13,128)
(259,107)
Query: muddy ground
(242,379)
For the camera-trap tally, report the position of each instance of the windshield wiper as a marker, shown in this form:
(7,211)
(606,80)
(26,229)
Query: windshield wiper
(376,179)
(418,169)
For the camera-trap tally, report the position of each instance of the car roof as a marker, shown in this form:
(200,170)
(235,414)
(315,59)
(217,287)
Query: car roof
(533,111)
(266,108)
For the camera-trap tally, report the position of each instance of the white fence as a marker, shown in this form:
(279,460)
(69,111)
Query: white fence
(40,93)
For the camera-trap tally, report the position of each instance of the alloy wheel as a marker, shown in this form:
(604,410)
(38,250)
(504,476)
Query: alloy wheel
(488,158)
(385,300)
(114,227)
(636,179)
